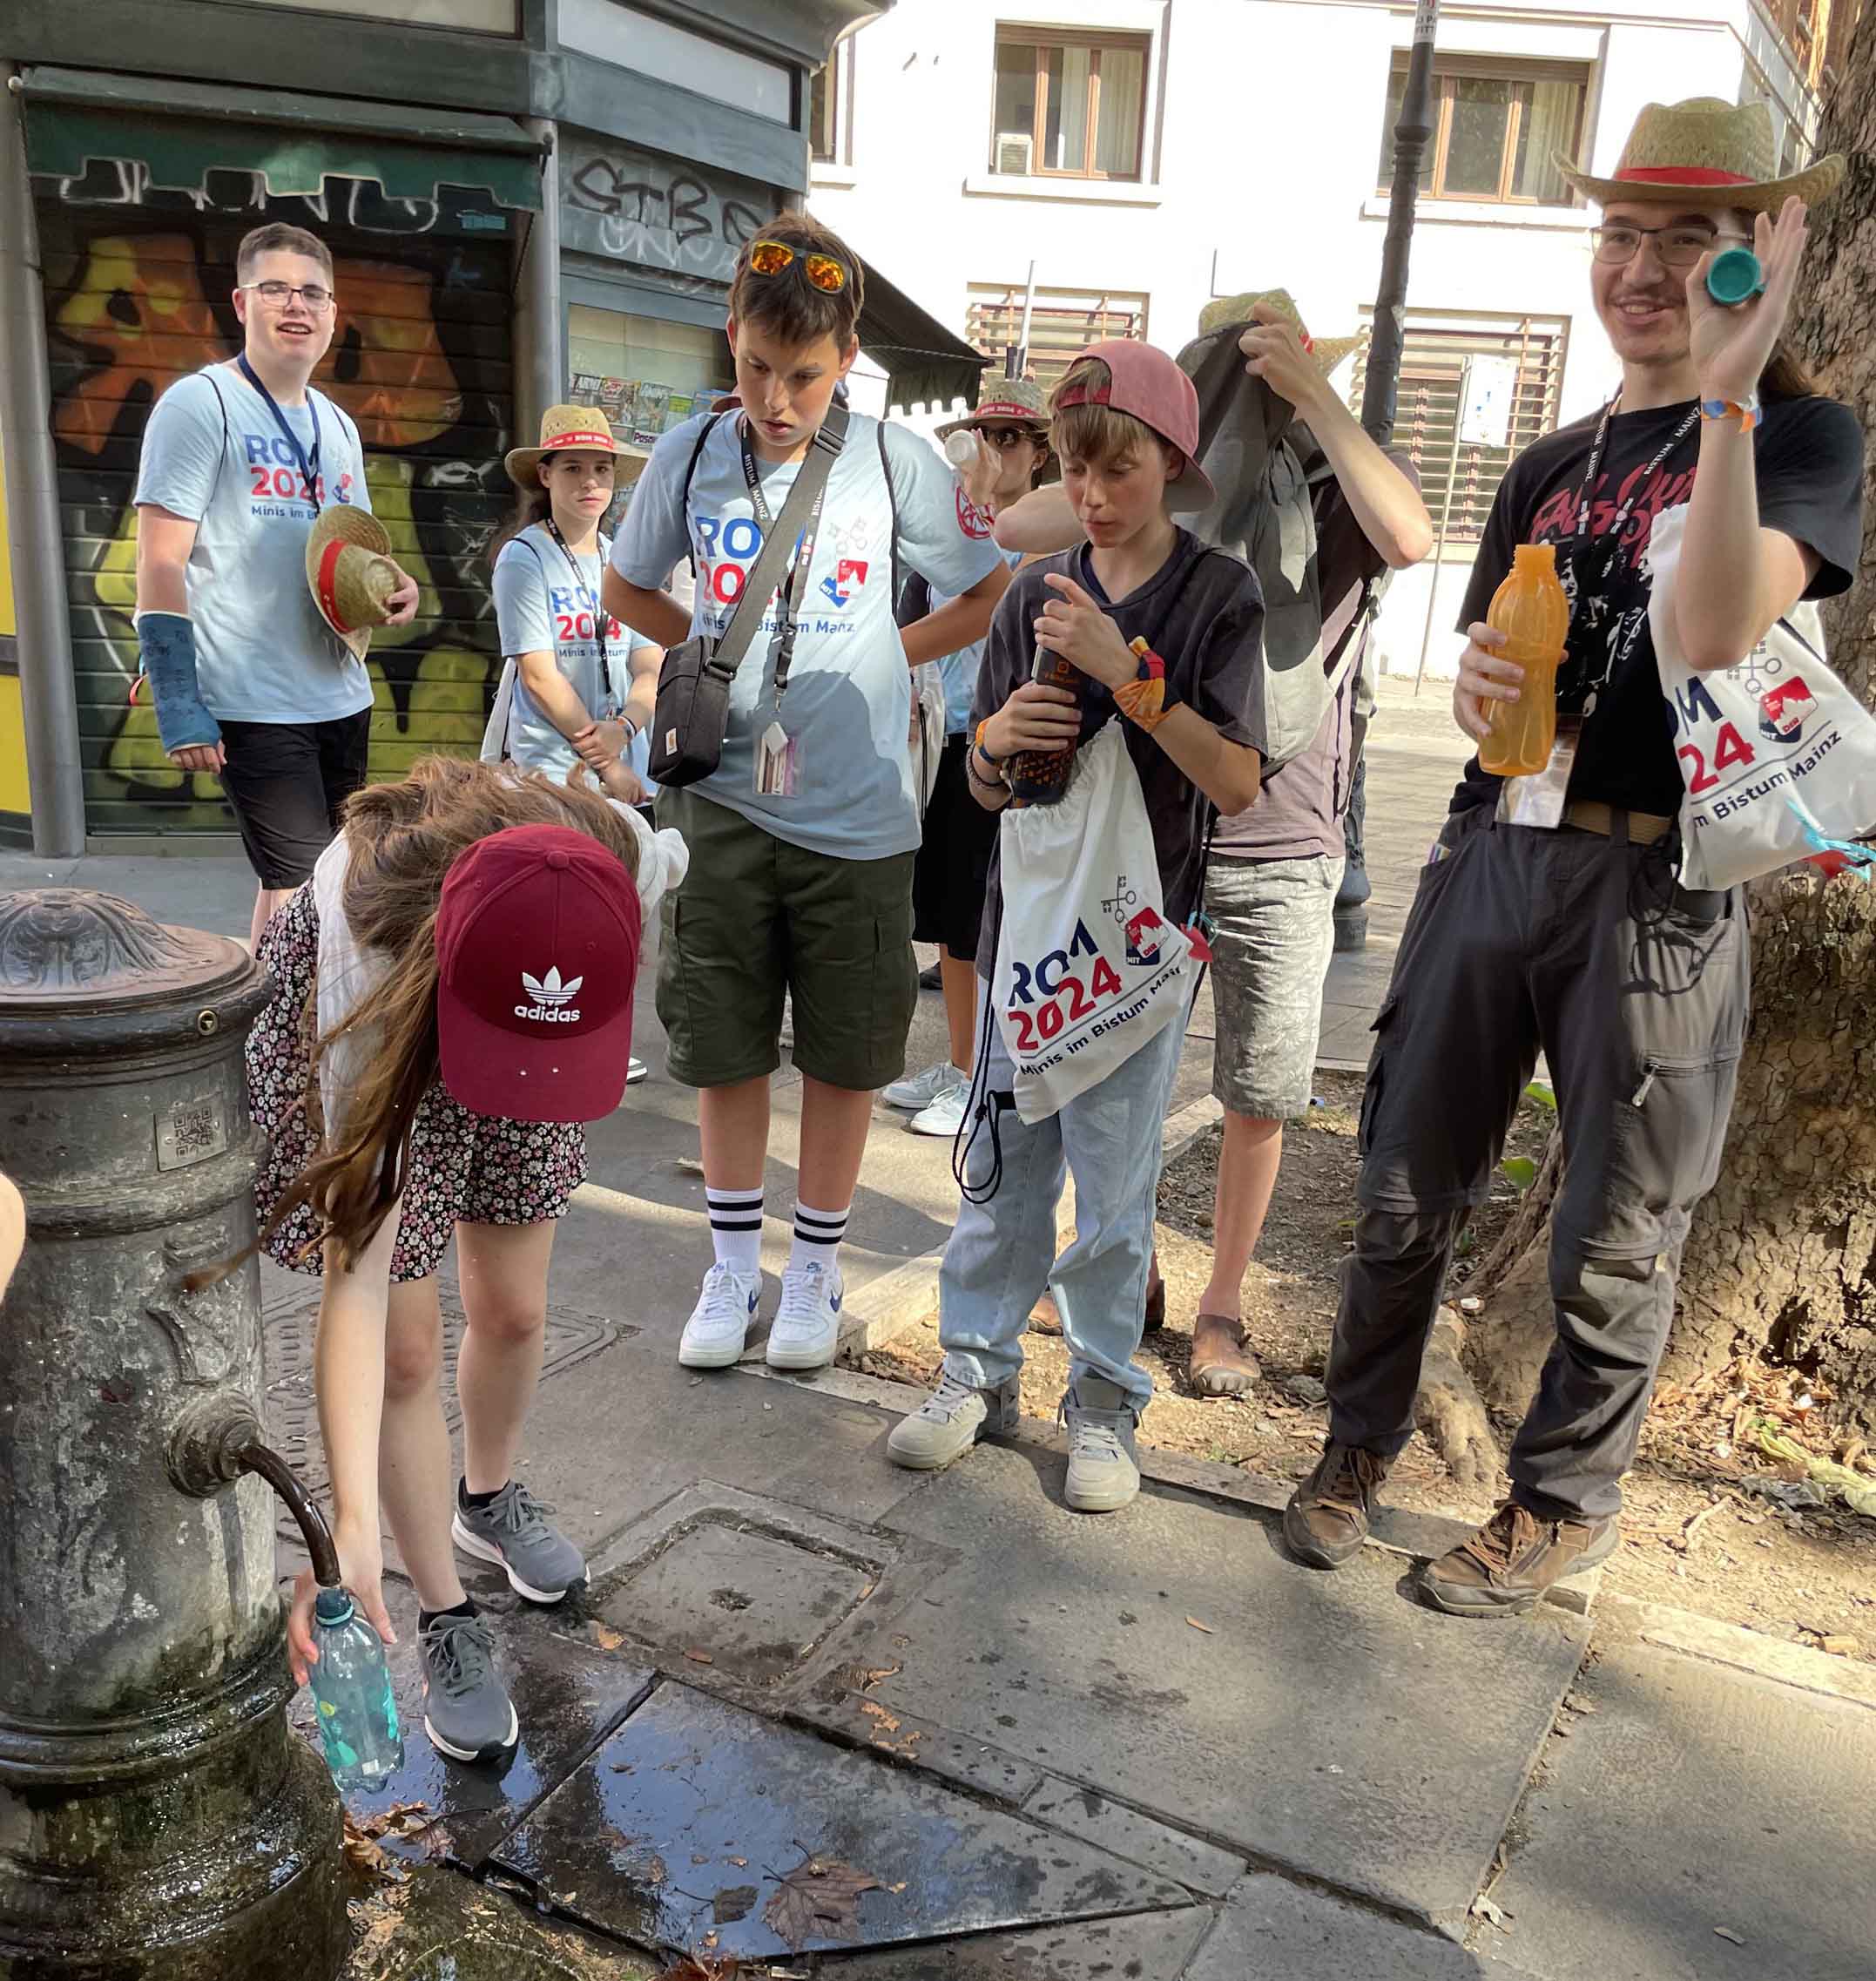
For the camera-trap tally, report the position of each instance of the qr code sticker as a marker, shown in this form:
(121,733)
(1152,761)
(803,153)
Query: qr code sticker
(192,1131)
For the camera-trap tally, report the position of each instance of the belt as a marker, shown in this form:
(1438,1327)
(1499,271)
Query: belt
(1588,815)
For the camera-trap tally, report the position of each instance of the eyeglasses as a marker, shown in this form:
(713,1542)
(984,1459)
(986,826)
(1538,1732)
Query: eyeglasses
(1005,438)
(277,295)
(1617,242)
(776,257)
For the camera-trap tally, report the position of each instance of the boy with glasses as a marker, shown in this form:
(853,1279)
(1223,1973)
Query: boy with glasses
(249,681)
(802,839)
(1548,915)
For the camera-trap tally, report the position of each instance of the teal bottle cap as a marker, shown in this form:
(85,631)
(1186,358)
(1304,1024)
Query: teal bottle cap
(1735,277)
(332,1606)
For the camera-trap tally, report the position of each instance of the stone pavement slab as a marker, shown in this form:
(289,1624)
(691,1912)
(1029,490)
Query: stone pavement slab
(1697,1797)
(688,1821)
(1273,1930)
(1327,1723)
(1128,1834)
(1149,1946)
(437,1926)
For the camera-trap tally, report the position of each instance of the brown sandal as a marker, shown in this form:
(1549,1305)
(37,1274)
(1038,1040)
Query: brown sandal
(1219,1377)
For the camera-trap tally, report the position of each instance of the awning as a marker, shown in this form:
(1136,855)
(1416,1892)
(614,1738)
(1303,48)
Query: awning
(178,132)
(924,363)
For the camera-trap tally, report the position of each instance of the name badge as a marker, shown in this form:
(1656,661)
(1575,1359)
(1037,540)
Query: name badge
(1539,800)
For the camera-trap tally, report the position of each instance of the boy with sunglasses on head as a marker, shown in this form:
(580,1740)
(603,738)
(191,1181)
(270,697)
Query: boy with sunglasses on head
(802,839)
(249,682)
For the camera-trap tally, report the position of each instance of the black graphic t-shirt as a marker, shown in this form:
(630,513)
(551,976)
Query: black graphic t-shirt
(1808,455)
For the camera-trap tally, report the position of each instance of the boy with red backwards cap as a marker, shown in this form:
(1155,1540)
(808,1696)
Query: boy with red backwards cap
(1168,634)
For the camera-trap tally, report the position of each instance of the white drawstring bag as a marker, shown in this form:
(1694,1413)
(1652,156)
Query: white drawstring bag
(1777,756)
(495,737)
(1087,968)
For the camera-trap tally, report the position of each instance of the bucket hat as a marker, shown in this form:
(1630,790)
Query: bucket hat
(537,937)
(563,427)
(1328,352)
(1720,153)
(1146,383)
(351,574)
(1016,400)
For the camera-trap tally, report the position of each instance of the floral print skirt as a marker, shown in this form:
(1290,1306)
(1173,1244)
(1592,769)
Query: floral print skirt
(461,1168)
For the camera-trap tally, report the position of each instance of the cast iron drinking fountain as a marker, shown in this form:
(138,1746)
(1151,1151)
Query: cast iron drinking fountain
(158,1819)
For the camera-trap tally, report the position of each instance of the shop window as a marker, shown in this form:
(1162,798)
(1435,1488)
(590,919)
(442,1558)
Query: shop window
(1068,106)
(1063,323)
(646,375)
(1496,127)
(1433,363)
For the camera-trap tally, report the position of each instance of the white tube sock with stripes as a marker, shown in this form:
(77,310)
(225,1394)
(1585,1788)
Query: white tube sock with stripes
(817,1236)
(736,1228)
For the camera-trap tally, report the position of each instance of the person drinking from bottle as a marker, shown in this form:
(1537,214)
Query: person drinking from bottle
(1548,915)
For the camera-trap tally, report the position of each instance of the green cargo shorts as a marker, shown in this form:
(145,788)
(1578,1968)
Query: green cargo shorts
(756,917)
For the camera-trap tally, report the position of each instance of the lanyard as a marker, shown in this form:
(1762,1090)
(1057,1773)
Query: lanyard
(308,464)
(588,601)
(803,558)
(1613,535)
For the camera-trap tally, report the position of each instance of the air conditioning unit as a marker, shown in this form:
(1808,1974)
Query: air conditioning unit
(1015,152)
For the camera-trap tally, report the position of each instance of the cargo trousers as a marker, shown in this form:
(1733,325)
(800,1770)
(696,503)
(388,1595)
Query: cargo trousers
(1637,990)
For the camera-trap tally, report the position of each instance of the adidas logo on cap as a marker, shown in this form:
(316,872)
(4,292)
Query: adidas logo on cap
(551,998)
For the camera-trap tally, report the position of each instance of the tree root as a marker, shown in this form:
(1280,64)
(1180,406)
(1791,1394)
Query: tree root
(1450,1412)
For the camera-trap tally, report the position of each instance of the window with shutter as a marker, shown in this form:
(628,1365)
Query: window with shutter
(1427,409)
(1063,323)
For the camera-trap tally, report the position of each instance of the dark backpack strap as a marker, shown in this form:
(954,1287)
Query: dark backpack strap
(690,475)
(892,503)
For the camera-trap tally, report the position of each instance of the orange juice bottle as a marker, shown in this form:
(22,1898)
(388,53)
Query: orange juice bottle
(1532,610)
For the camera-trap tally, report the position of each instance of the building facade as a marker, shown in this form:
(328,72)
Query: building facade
(525,199)
(1116,173)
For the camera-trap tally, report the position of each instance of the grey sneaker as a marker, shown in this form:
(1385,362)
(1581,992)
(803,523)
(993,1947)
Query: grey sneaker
(467,1711)
(951,1420)
(1104,1472)
(513,1532)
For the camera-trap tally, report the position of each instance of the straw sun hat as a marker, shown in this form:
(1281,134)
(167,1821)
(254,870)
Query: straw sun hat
(1718,153)
(1018,400)
(1328,352)
(563,427)
(351,573)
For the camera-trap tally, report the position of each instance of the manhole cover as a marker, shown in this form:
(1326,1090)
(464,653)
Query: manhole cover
(748,1599)
(288,1323)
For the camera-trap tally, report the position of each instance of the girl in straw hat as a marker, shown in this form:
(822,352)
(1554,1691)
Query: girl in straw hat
(577,686)
(1549,916)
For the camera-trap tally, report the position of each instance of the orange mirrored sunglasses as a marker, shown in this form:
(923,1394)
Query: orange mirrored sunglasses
(774,257)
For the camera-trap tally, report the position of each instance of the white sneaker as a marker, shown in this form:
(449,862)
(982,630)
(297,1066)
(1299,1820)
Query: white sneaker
(636,1070)
(945,1114)
(808,1323)
(718,1326)
(922,1089)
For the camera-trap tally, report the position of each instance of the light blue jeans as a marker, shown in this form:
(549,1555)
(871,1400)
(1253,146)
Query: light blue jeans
(1001,1254)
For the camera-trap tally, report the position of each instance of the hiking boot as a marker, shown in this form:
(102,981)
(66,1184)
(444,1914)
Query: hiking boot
(951,1420)
(807,1322)
(718,1326)
(1327,1517)
(1104,1472)
(513,1532)
(467,1711)
(1504,1568)
(919,1091)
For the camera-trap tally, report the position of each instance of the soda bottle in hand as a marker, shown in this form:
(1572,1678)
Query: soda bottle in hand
(1039,777)
(1532,610)
(351,1686)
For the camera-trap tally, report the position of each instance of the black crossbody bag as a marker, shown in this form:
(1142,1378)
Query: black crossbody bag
(691,714)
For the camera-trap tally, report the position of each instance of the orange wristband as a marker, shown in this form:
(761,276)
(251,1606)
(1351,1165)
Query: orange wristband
(1143,699)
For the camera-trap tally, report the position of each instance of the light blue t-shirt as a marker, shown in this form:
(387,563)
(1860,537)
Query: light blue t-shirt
(959,670)
(213,453)
(848,703)
(538,609)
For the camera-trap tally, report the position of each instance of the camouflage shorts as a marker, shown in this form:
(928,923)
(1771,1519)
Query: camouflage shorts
(1274,931)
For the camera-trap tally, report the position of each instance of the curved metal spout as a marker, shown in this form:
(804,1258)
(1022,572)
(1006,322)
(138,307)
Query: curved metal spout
(218,1438)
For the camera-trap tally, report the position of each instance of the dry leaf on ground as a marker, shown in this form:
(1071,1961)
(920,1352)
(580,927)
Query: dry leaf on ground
(817,1900)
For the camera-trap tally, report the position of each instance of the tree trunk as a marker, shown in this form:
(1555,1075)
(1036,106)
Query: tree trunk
(1781,1260)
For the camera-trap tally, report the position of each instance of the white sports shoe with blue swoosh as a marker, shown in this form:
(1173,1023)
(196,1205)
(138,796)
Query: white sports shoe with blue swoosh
(808,1323)
(718,1326)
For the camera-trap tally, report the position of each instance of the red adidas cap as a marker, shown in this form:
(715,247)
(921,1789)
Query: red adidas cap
(537,937)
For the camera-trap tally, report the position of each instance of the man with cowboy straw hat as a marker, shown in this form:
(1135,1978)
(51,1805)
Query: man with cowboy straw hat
(952,872)
(1274,870)
(1548,914)
(252,677)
